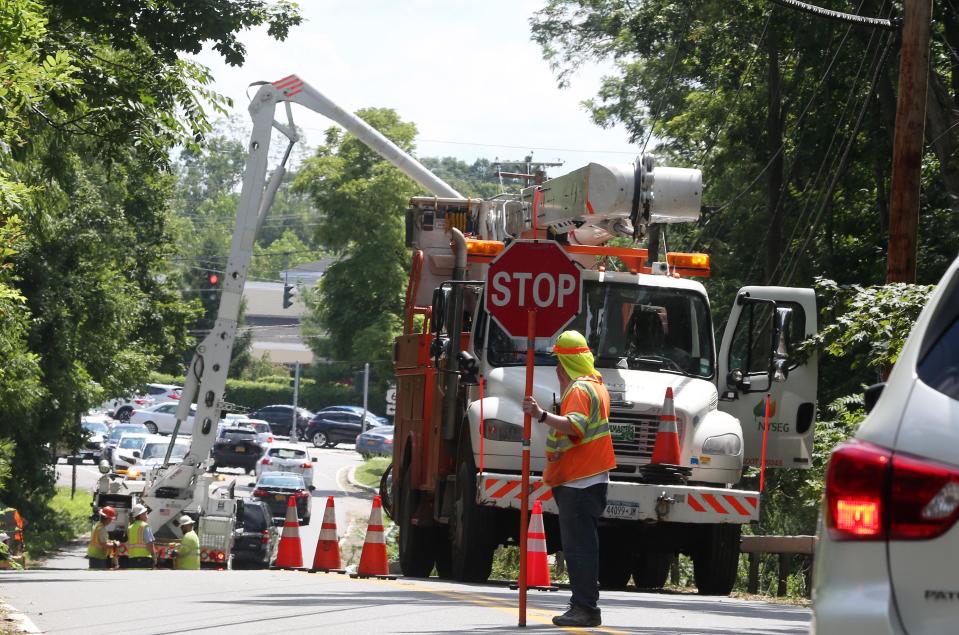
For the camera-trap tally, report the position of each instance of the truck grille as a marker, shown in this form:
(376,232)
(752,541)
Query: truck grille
(634,435)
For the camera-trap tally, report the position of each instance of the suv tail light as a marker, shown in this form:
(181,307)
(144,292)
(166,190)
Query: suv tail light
(266,461)
(301,493)
(259,492)
(306,465)
(873,494)
(265,538)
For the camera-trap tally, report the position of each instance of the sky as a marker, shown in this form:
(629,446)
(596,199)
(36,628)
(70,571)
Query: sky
(466,73)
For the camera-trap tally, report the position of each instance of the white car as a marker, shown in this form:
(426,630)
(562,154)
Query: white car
(286,457)
(264,433)
(161,418)
(888,548)
(128,451)
(154,451)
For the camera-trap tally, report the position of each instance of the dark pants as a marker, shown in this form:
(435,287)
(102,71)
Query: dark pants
(138,563)
(100,563)
(579,511)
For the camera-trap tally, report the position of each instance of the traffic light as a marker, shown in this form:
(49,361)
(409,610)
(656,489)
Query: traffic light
(288,292)
(213,278)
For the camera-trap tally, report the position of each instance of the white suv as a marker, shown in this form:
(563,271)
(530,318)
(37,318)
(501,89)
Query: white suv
(888,548)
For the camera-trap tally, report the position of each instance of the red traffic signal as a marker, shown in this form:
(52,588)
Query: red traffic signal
(213,278)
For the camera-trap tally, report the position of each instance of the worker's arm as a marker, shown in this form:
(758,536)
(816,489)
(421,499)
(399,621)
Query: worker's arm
(558,422)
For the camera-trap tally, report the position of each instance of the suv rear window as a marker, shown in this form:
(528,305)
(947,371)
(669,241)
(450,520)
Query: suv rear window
(237,434)
(940,366)
(287,453)
(255,518)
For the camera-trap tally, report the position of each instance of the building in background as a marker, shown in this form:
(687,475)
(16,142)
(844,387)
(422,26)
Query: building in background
(276,331)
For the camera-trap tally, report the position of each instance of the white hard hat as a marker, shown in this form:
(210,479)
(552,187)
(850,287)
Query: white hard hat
(137,510)
(186,520)
(4,537)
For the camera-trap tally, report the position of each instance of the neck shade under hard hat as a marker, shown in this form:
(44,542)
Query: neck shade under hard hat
(573,353)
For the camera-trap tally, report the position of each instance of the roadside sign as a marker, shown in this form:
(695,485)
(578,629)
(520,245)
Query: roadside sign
(533,275)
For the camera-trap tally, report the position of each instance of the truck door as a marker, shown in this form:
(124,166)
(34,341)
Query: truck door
(746,365)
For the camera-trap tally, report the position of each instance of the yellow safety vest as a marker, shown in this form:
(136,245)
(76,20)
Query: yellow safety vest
(97,549)
(136,540)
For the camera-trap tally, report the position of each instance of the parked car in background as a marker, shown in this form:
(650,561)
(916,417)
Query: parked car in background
(234,418)
(236,446)
(275,488)
(286,457)
(383,421)
(161,418)
(326,429)
(128,450)
(96,433)
(280,418)
(116,433)
(255,539)
(888,548)
(375,442)
(153,453)
(161,393)
(264,433)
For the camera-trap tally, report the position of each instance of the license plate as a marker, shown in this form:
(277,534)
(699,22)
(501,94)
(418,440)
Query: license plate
(370,442)
(628,511)
(280,497)
(240,449)
(622,432)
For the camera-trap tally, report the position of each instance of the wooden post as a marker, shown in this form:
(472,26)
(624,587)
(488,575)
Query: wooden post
(674,570)
(908,141)
(785,560)
(752,585)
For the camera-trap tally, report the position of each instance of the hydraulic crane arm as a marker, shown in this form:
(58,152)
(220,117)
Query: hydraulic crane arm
(172,489)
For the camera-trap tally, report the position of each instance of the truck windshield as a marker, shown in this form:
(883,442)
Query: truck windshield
(630,326)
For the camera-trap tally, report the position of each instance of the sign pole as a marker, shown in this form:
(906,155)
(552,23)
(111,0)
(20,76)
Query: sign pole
(524,492)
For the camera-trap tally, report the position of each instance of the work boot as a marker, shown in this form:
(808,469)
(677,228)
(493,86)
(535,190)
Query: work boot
(579,616)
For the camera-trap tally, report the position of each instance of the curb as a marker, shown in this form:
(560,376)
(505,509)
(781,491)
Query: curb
(20,622)
(351,477)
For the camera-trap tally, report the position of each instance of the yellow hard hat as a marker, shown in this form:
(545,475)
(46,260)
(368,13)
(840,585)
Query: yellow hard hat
(573,353)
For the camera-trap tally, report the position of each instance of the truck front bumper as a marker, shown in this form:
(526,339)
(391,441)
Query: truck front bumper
(634,501)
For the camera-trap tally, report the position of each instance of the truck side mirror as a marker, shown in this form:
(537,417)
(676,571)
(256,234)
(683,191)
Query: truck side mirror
(438,318)
(738,380)
(469,369)
(136,454)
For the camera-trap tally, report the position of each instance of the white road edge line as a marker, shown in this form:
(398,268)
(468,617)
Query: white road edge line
(19,621)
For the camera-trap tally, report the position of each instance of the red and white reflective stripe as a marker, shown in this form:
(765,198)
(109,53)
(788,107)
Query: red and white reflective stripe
(726,504)
(536,535)
(290,85)
(328,532)
(374,534)
(508,489)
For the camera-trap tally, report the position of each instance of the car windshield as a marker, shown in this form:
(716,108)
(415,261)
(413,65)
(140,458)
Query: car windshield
(131,442)
(282,480)
(630,326)
(96,427)
(158,450)
(119,431)
(287,453)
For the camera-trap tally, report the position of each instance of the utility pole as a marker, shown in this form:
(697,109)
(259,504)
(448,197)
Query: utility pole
(908,141)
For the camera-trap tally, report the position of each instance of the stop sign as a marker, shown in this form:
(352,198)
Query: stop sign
(533,275)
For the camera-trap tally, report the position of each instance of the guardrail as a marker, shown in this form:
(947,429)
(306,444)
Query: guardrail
(785,547)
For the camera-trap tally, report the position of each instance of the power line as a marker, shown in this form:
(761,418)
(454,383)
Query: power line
(850,18)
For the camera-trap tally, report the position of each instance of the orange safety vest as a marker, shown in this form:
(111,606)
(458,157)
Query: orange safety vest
(590,451)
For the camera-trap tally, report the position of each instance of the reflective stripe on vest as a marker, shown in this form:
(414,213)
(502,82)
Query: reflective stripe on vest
(97,549)
(592,454)
(136,540)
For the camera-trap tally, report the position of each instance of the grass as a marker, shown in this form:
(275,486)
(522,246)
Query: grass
(67,518)
(372,470)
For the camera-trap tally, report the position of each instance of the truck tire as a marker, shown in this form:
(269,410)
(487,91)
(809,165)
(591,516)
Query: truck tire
(614,564)
(716,559)
(416,543)
(651,568)
(471,528)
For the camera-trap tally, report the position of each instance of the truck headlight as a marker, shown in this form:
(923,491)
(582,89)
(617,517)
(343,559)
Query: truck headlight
(724,444)
(497,430)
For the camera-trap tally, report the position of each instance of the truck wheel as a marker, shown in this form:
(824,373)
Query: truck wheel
(614,565)
(416,543)
(471,530)
(650,569)
(716,559)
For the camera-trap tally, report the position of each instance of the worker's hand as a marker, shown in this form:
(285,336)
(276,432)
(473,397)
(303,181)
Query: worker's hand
(532,408)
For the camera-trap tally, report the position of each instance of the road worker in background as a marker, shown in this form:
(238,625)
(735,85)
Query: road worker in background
(141,553)
(188,553)
(6,560)
(579,455)
(98,551)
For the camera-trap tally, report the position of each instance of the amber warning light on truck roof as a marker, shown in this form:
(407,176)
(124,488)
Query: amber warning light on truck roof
(483,250)
(689,264)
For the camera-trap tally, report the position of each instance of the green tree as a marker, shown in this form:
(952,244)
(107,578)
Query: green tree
(361,200)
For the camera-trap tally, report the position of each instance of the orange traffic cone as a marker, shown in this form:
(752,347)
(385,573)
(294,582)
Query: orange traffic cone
(537,568)
(290,553)
(327,558)
(666,450)
(373,562)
